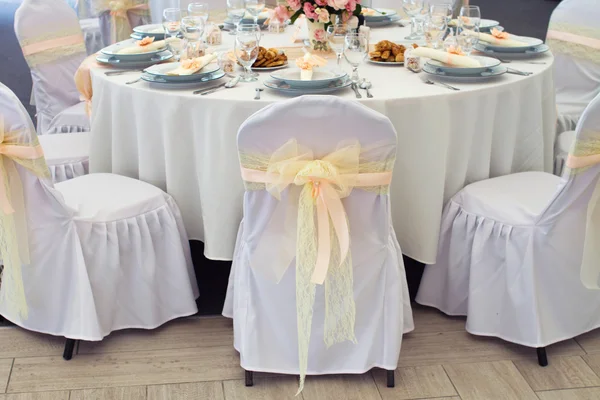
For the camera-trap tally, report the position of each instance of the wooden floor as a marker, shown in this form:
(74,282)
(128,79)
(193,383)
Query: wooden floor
(194,359)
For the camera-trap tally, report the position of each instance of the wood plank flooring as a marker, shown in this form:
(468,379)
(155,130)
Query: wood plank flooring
(194,359)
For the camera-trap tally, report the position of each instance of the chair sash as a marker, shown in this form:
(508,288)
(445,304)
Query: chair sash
(51,47)
(119,11)
(24,149)
(576,41)
(321,250)
(83,81)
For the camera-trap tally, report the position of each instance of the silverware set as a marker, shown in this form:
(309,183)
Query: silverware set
(227,85)
(430,82)
(122,72)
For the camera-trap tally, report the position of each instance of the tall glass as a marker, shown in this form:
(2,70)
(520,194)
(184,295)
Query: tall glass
(442,10)
(192,28)
(356,48)
(236,9)
(336,35)
(413,9)
(172,25)
(246,52)
(199,10)
(470,15)
(435,26)
(467,39)
(254,8)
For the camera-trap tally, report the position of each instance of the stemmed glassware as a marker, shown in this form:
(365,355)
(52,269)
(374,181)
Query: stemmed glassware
(413,9)
(246,52)
(192,28)
(435,26)
(356,47)
(236,9)
(254,8)
(470,15)
(199,10)
(336,35)
(467,39)
(172,25)
(468,28)
(442,10)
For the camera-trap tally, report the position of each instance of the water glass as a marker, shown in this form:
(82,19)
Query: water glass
(467,39)
(236,9)
(198,10)
(413,9)
(469,15)
(246,52)
(356,48)
(172,25)
(336,35)
(192,28)
(254,8)
(441,10)
(251,28)
(435,26)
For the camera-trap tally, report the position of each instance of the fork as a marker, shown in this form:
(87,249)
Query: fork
(520,61)
(430,82)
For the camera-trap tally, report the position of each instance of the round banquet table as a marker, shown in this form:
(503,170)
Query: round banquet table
(186,144)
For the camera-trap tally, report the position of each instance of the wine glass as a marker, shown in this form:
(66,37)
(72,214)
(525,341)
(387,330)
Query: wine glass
(255,28)
(412,8)
(356,47)
(336,35)
(470,15)
(246,52)
(467,39)
(435,26)
(443,10)
(254,8)
(192,28)
(172,25)
(236,9)
(198,10)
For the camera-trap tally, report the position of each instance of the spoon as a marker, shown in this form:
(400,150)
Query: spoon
(430,82)
(257,95)
(366,85)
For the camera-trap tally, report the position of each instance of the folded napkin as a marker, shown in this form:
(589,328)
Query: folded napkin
(300,30)
(191,66)
(454,60)
(498,38)
(145,45)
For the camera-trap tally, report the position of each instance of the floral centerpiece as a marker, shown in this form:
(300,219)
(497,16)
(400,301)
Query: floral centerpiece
(320,14)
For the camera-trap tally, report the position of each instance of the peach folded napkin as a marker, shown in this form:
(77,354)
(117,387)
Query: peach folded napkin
(146,45)
(191,66)
(300,30)
(446,58)
(498,38)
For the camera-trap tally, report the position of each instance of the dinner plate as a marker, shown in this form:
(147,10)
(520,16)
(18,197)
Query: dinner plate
(384,13)
(485,62)
(162,69)
(157,58)
(114,48)
(182,84)
(528,43)
(485,48)
(484,24)
(153,30)
(384,22)
(386,62)
(283,87)
(489,73)
(321,77)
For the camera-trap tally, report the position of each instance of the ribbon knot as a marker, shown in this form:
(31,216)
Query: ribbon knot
(117,9)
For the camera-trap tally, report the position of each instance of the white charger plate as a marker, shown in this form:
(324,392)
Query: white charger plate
(528,43)
(160,81)
(486,64)
(113,49)
(283,87)
(321,78)
(161,71)
(539,49)
(157,58)
(490,73)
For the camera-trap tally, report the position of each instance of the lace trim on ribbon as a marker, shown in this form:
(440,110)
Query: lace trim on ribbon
(119,11)
(585,153)
(576,41)
(53,46)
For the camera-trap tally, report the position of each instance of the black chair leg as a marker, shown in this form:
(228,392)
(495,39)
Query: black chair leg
(390,379)
(69,347)
(249,379)
(542,357)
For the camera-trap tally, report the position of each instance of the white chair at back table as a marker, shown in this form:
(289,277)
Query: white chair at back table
(53,45)
(270,282)
(118,18)
(574,37)
(106,252)
(518,254)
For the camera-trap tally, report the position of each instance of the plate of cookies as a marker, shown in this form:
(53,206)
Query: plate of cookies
(270,59)
(388,53)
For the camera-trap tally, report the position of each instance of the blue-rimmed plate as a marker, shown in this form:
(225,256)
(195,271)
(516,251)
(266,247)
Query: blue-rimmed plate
(161,71)
(510,51)
(113,51)
(379,14)
(156,31)
(321,78)
(485,62)
(484,24)
(383,22)
(183,84)
(157,58)
(528,43)
(489,73)
(284,87)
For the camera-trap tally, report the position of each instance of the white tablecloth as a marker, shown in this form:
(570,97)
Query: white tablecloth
(186,144)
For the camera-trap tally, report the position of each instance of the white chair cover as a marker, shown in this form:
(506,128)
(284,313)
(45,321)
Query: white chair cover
(107,252)
(512,255)
(67,154)
(264,312)
(118,18)
(85,9)
(53,45)
(574,37)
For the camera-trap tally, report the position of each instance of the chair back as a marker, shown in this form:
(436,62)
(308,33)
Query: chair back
(118,18)
(53,45)
(574,38)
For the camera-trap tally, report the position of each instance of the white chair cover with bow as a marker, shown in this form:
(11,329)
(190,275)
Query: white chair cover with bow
(574,37)
(97,253)
(276,294)
(119,17)
(519,255)
(53,45)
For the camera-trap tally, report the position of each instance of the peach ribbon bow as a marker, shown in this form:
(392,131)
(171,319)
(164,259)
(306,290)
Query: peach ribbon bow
(121,28)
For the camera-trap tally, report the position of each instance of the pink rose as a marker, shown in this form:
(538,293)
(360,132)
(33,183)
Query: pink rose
(294,4)
(319,34)
(321,3)
(323,15)
(337,4)
(351,6)
(281,13)
(309,11)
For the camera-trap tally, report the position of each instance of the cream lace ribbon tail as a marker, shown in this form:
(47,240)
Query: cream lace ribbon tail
(118,10)
(322,250)
(14,247)
(51,47)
